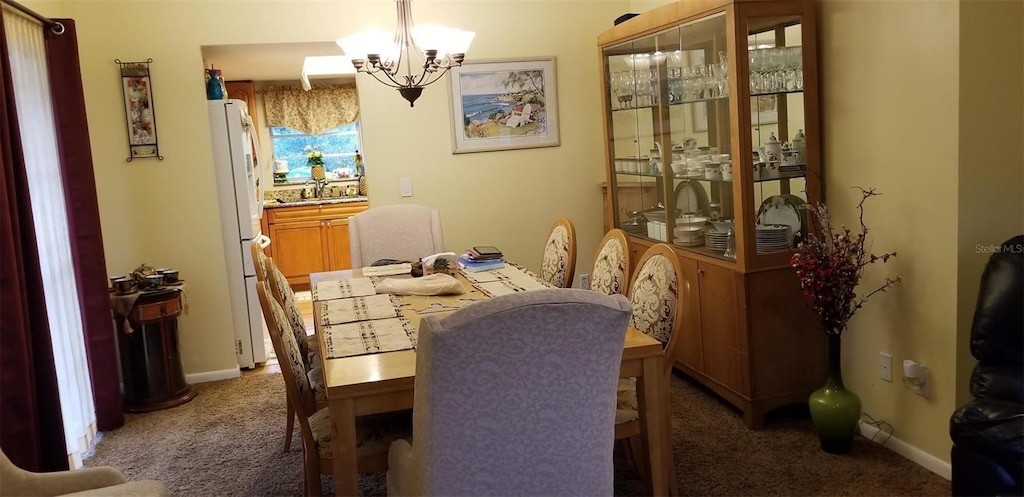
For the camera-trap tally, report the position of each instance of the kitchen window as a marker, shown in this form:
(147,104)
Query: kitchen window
(339,145)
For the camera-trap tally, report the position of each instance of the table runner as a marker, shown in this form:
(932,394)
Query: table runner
(343,289)
(509,279)
(358,309)
(369,337)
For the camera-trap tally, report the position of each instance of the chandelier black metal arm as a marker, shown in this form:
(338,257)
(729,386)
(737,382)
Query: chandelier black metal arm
(388,69)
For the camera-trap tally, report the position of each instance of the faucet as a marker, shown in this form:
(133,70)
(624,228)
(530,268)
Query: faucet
(318,187)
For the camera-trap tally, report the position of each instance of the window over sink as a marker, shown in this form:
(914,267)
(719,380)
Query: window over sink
(339,145)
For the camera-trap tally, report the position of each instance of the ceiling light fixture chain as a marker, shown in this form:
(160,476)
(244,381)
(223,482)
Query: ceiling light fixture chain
(445,49)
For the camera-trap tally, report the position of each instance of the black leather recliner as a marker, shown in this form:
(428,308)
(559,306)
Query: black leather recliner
(988,432)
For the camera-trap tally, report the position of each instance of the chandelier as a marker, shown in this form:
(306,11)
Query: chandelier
(399,62)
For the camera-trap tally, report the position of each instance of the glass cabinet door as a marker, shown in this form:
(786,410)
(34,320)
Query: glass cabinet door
(637,186)
(697,131)
(777,123)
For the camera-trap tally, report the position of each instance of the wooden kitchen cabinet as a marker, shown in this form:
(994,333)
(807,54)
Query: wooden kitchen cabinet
(310,239)
(246,91)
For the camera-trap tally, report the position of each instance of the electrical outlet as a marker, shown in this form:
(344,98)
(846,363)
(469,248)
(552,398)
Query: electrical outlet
(885,366)
(585,281)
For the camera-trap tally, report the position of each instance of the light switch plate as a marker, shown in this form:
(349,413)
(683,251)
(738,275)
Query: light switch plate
(406,185)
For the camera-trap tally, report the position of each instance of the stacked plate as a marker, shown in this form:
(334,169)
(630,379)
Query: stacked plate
(771,238)
(716,240)
(688,236)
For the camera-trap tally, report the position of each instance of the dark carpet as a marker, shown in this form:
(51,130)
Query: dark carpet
(228,441)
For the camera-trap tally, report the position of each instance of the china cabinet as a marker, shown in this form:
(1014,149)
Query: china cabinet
(310,239)
(712,145)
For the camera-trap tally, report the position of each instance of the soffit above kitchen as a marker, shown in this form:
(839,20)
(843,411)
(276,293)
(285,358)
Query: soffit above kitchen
(269,61)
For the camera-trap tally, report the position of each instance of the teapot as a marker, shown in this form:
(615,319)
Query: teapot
(799,147)
(773,149)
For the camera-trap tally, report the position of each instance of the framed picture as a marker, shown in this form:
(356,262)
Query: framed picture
(137,89)
(764,109)
(504,105)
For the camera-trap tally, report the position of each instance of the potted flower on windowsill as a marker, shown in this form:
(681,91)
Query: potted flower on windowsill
(315,159)
(829,264)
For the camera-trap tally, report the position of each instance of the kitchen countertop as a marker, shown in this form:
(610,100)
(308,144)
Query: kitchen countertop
(273,204)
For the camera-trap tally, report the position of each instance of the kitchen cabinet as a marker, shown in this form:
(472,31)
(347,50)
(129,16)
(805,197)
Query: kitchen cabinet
(245,91)
(310,239)
(711,123)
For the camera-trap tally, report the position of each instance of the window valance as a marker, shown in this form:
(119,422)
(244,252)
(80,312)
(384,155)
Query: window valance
(314,111)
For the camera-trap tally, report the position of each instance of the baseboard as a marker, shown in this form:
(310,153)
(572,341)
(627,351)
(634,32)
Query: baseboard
(914,454)
(223,374)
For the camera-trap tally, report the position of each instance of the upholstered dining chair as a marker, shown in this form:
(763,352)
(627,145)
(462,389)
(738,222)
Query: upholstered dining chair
(610,274)
(657,294)
(559,262)
(308,345)
(259,260)
(374,433)
(505,402)
(405,232)
(103,481)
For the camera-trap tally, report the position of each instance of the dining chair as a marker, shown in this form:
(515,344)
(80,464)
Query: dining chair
(610,274)
(308,345)
(259,260)
(505,403)
(404,232)
(559,262)
(657,293)
(374,433)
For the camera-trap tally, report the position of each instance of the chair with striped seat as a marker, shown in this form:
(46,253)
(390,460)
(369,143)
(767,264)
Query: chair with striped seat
(374,433)
(285,296)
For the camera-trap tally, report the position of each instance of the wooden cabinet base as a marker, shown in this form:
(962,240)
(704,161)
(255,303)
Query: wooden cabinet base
(151,368)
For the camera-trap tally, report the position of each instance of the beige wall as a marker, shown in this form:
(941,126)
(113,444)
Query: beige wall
(165,212)
(991,197)
(890,88)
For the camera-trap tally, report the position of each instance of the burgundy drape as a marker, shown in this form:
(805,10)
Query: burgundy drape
(65,74)
(31,430)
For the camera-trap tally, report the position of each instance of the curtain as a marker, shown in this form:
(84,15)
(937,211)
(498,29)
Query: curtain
(65,74)
(314,111)
(31,429)
(72,262)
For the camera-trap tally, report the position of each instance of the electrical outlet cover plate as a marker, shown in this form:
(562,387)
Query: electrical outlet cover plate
(885,366)
(585,281)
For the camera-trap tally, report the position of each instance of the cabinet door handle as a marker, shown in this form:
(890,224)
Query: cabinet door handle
(163,310)
(328,223)
(700,272)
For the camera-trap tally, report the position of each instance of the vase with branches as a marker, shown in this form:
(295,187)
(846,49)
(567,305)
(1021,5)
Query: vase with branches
(830,263)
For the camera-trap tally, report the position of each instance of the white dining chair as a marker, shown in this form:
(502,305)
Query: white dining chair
(404,232)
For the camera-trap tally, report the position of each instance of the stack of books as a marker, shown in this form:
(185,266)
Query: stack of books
(481,258)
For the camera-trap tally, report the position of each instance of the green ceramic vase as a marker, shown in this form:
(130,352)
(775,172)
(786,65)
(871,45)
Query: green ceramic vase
(834,409)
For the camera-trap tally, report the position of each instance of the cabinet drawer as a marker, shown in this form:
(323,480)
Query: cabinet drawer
(314,212)
(156,310)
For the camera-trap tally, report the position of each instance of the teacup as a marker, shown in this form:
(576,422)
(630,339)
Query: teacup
(153,280)
(121,284)
(170,275)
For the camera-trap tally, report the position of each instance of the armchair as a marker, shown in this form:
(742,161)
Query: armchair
(101,481)
(988,432)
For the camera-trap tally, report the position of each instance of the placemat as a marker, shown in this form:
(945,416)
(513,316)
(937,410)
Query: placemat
(510,279)
(358,309)
(369,337)
(343,289)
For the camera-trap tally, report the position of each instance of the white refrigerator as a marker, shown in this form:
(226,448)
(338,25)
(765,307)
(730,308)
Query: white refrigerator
(240,197)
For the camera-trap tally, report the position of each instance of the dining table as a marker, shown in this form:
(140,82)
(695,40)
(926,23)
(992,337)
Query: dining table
(372,383)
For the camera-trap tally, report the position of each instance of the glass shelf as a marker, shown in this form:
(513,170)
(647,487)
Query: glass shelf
(780,176)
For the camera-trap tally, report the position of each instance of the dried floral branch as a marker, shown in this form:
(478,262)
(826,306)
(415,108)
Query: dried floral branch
(830,264)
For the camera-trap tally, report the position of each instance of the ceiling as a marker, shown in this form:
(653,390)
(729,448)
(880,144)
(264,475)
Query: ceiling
(265,61)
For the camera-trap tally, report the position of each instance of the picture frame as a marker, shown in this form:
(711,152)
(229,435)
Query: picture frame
(764,109)
(504,104)
(139,110)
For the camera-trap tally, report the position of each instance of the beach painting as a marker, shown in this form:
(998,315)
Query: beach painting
(502,105)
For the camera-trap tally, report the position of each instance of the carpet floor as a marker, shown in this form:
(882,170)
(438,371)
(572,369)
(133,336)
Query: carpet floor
(228,440)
